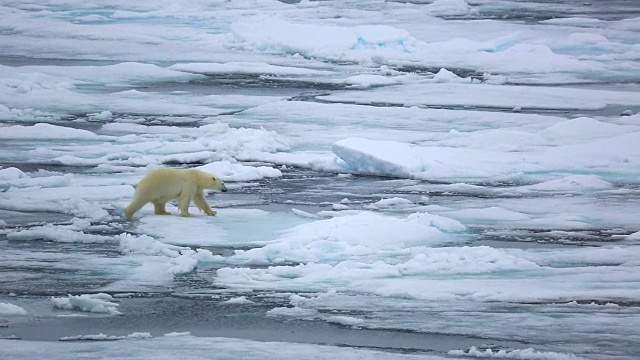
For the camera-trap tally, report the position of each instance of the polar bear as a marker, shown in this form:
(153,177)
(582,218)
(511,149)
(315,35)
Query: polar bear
(162,185)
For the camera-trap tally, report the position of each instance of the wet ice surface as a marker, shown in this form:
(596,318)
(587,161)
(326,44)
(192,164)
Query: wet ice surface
(407,179)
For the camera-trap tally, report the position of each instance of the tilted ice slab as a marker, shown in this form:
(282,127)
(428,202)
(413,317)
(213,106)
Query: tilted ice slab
(613,156)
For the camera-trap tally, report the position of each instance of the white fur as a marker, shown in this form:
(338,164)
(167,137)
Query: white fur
(162,185)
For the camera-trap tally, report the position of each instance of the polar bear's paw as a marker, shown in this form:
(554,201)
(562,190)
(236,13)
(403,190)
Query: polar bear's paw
(211,212)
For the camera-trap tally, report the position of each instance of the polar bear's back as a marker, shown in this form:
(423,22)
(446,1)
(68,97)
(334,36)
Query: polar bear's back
(165,184)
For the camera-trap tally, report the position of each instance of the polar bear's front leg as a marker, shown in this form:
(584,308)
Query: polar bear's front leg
(202,204)
(185,199)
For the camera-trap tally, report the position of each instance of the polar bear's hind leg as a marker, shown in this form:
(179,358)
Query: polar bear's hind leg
(135,205)
(159,208)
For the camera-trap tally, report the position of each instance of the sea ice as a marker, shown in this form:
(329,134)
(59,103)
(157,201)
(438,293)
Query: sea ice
(8,309)
(93,303)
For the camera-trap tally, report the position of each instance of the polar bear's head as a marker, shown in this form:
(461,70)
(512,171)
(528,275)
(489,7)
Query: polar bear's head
(206,180)
(215,183)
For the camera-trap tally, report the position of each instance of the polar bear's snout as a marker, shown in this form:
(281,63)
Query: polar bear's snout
(223,188)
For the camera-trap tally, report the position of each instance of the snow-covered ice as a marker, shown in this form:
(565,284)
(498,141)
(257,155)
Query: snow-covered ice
(459,168)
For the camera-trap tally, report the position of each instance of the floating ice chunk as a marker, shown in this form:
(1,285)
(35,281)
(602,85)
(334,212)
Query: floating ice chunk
(183,259)
(185,263)
(58,233)
(446,76)
(94,303)
(177,334)
(237,172)
(172,230)
(616,154)
(584,128)
(588,38)
(449,8)
(380,276)
(635,236)
(366,228)
(528,353)
(294,312)
(364,81)
(470,260)
(8,309)
(146,245)
(93,18)
(340,207)
(104,337)
(576,21)
(70,199)
(390,203)
(104,115)
(14,179)
(345,321)
(331,42)
(304,214)
(489,214)
(121,73)
(231,227)
(44,131)
(443,223)
(240,300)
(240,142)
(245,68)
(196,347)
(572,183)
(487,95)
(11,174)
(593,305)
(25,114)
(353,234)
